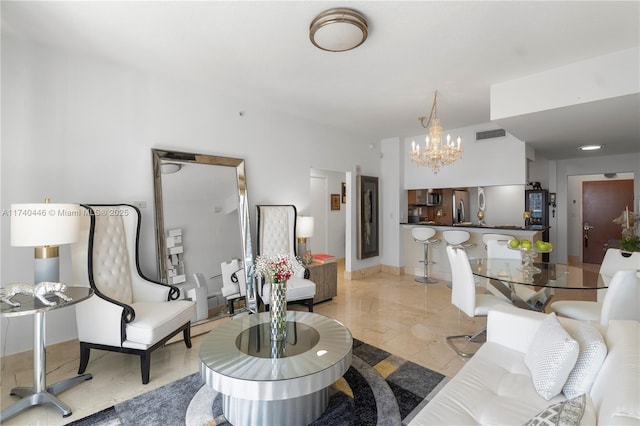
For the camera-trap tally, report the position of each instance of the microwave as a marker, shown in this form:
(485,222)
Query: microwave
(434,198)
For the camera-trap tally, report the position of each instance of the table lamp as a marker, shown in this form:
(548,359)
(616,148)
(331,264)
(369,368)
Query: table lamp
(304,230)
(45,226)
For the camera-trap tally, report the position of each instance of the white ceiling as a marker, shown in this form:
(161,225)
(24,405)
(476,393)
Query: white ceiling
(261,51)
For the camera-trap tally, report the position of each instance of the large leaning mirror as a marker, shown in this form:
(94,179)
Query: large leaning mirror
(203,228)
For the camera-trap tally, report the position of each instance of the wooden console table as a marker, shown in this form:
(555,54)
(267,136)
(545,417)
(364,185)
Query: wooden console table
(325,275)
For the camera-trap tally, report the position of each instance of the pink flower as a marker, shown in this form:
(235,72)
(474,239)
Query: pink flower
(275,268)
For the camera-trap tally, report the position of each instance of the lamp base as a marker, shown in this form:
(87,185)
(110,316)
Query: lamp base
(47,270)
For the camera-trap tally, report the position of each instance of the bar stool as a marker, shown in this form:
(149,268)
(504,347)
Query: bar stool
(424,236)
(457,239)
(499,237)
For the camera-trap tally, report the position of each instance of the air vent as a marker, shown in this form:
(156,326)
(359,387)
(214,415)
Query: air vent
(490,134)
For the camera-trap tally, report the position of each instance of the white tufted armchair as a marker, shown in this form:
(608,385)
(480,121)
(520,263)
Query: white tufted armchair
(277,235)
(128,312)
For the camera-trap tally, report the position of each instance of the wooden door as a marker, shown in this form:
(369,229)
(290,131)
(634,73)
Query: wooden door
(602,201)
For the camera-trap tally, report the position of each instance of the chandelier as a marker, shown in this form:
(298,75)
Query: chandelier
(435,153)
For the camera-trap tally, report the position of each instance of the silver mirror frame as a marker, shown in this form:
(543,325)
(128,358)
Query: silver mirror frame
(160,157)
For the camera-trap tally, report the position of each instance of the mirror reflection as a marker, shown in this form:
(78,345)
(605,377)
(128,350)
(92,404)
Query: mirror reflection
(202,230)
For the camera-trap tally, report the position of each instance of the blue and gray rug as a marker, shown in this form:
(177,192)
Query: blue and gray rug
(378,389)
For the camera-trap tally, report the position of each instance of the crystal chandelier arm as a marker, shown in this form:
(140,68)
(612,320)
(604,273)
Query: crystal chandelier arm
(433,113)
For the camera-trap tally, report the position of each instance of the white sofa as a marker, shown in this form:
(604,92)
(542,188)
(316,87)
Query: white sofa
(495,387)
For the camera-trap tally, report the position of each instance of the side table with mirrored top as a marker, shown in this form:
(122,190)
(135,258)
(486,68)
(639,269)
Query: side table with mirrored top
(40,393)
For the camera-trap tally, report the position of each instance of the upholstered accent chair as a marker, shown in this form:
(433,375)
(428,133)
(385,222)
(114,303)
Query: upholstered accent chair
(128,312)
(277,235)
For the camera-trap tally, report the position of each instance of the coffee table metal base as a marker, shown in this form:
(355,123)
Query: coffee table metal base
(302,410)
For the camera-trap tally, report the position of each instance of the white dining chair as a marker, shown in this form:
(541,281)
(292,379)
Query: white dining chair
(621,302)
(616,260)
(465,298)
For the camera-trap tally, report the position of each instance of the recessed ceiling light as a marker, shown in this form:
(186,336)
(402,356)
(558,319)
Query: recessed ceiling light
(338,30)
(590,147)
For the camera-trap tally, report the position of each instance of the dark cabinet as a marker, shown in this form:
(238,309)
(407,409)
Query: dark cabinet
(325,275)
(537,203)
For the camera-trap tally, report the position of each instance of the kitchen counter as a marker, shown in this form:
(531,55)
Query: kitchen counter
(440,269)
(477,226)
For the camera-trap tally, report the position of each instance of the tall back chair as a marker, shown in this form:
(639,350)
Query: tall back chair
(277,235)
(621,302)
(464,296)
(128,312)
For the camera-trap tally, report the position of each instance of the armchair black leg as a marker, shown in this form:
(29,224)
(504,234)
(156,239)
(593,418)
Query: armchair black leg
(230,305)
(310,302)
(186,333)
(84,357)
(145,366)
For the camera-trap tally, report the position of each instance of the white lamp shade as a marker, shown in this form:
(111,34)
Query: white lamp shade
(40,224)
(304,227)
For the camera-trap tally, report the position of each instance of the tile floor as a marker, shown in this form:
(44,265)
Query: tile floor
(395,313)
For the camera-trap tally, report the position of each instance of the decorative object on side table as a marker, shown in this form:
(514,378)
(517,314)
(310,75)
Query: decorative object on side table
(38,291)
(629,241)
(276,269)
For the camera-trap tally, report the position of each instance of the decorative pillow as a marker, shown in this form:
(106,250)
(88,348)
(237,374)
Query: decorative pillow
(551,357)
(565,413)
(593,351)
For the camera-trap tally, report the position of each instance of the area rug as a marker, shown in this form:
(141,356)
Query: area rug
(378,389)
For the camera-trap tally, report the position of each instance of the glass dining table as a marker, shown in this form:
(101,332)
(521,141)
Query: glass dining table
(506,275)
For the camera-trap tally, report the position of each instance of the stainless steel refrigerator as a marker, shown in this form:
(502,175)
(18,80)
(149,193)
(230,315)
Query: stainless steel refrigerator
(460,206)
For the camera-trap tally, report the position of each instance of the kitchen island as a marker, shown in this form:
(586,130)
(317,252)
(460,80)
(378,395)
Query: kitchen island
(440,269)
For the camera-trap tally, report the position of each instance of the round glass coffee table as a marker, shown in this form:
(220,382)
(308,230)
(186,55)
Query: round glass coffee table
(268,383)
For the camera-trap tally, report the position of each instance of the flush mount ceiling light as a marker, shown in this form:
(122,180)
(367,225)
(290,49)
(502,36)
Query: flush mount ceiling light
(338,30)
(591,147)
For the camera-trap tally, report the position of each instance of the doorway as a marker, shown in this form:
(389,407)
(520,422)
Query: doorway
(329,220)
(602,202)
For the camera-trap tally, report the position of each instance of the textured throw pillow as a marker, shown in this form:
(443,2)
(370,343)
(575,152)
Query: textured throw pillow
(551,357)
(593,351)
(565,413)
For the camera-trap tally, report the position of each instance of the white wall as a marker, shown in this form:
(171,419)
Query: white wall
(629,163)
(604,77)
(80,129)
(393,202)
(499,161)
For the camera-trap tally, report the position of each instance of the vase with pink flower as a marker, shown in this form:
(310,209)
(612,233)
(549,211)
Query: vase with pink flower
(276,270)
